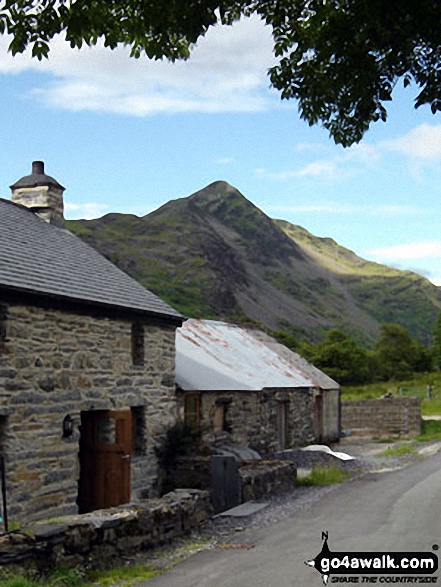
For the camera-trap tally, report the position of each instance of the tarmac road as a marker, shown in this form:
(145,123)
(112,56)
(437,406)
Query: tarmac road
(390,512)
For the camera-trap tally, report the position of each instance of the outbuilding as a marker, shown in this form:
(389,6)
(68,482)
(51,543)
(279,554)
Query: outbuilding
(240,386)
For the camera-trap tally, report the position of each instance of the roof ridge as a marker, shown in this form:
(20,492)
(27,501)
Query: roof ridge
(39,257)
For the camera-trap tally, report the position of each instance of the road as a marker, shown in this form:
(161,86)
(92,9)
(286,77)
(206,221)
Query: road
(398,511)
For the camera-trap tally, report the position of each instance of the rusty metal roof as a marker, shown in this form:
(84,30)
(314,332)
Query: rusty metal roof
(213,355)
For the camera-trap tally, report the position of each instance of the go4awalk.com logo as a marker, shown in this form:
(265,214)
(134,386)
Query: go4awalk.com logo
(375,567)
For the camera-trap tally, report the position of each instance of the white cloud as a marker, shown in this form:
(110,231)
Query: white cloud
(226,72)
(86,211)
(423,142)
(318,168)
(224,161)
(314,169)
(419,250)
(346,164)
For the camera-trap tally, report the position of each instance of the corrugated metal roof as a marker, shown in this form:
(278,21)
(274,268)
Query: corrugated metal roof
(213,355)
(38,257)
(319,378)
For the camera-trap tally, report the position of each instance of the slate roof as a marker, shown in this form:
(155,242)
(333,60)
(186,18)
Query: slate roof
(213,355)
(38,257)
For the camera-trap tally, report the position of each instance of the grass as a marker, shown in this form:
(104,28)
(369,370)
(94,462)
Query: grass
(124,576)
(398,451)
(413,387)
(119,576)
(431,407)
(430,430)
(60,577)
(322,476)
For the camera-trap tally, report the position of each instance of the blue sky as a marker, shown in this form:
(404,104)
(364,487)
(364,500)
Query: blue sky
(125,135)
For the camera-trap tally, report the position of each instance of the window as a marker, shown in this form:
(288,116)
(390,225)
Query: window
(139,431)
(192,409)
(137,344)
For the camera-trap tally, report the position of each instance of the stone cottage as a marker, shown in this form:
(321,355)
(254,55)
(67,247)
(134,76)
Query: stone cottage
(87,358)
(241,386)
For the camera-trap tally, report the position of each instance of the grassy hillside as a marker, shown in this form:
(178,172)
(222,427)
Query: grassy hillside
(387,294)
(216,255)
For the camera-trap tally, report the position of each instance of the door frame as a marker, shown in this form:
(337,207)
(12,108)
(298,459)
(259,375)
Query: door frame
(105,459)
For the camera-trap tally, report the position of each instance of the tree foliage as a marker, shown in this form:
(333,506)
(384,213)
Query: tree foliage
(397,354)
(340,358)
(340,59)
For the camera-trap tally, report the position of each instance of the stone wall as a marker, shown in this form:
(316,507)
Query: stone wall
(383,416)
(331,416)
(54,363)
(102,538)
(251,418)
(258,478)
(262,478)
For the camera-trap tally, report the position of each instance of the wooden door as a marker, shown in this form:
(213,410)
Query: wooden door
(105,453)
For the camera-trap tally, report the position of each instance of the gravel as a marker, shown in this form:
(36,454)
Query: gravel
(368,459)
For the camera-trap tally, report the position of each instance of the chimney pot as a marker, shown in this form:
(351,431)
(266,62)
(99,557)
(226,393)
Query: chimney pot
(37,168)
(40,193)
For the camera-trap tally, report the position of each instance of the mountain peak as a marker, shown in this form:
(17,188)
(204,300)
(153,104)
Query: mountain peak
(215,254)
(218,191)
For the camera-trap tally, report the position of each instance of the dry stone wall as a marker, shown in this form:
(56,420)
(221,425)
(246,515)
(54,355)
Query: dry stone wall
(54,363)
(257,478)
(101,538)
(396,416)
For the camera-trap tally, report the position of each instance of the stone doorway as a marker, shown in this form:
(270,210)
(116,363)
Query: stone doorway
(318,418)
(282,424)
(105,454)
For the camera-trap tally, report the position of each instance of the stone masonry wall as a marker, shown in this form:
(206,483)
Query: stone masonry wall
(54,363)
(383,416)
(251,418)
(331,415)
(101,538)
(258,478)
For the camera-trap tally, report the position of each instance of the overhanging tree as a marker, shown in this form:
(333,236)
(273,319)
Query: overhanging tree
(339,59)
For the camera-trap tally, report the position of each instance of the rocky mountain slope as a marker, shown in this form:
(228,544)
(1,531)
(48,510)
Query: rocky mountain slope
(216,255)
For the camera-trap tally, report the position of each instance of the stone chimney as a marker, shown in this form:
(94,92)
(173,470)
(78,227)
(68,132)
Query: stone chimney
(40,193)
